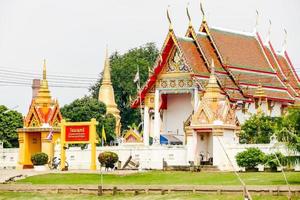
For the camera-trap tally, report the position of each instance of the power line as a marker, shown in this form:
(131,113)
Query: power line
(3,70)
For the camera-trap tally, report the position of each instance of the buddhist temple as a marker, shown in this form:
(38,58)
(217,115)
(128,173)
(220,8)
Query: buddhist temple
(208,82)
(41,125)
(107,95)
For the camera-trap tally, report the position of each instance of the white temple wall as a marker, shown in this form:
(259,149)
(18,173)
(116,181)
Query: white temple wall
(178,110)
(276,111)
(150,157)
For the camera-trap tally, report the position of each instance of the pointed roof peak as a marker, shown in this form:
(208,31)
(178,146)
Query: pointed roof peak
(106,73)
(44,70)
(284,44)
(212,82)
(188,15)
(269,32)
(202,11)
(256,22)
(43,97)
(169,19)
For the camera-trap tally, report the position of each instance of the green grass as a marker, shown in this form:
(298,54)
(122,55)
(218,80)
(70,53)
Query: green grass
(167,178)
(172,196)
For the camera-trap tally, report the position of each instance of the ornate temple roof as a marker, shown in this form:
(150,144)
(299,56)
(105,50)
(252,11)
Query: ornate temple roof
(44,111)
(242,63)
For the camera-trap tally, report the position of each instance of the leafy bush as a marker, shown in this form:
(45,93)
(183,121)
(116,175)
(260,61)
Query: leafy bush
(258,129)
(274,160)
(108,159)
(250,158)
(39,159)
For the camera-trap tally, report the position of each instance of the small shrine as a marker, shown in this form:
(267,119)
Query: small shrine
(41,125)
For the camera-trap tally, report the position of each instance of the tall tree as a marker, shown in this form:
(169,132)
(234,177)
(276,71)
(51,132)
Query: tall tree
(123,70)
(289,132)
(10,120)
(258,129)
(86,108)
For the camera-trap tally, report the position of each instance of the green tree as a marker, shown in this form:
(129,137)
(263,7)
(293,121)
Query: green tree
(289,131)
(123,70)
(258,129)
(86,108)
(10,120)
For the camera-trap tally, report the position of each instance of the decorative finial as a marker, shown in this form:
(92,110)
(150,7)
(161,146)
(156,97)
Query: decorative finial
(269,31)
(212,67)
(188,14)
(169,19)
(256,23)
(284,41)
(44,70)
(202,11)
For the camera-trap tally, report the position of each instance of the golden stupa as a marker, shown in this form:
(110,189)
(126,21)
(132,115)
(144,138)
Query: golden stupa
(107,95)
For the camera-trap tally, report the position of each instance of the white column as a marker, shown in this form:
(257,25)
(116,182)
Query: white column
(156,118)
(146,126)
(196,99)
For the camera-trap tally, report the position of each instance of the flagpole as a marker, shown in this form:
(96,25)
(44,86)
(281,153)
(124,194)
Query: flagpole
(140,94)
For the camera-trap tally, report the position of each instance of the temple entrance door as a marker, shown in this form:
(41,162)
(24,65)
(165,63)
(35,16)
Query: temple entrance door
(204,147)
(34,146)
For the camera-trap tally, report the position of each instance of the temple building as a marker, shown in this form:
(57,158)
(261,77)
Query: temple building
(41,125)
(107,95)
(207,83)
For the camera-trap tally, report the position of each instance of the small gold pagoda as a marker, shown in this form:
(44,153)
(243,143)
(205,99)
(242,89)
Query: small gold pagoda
(107,95)
(41,125)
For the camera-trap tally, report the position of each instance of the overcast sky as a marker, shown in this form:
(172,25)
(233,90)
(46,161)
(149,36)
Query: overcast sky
(72,34)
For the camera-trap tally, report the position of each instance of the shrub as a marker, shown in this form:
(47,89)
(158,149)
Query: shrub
(250,158)
(39,158)
(108,159)
(274,160)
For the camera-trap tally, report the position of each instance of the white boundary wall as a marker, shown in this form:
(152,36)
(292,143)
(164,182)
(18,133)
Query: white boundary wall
(149,157)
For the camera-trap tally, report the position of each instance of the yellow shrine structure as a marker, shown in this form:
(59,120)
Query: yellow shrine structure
(41,125)
(107,95)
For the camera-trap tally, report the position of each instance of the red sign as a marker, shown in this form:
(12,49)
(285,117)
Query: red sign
(77,133)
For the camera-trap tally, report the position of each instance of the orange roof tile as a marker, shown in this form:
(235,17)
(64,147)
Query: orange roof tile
(286,69)
(192,55)
(240,50)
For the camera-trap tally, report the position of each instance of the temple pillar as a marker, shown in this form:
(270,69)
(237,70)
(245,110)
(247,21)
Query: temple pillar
(157,119)
(146,126)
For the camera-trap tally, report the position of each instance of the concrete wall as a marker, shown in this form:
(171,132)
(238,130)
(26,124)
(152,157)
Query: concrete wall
(151,157)
(8,158)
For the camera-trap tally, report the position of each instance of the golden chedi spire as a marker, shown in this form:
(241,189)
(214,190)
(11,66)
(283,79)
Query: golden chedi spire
(107,96)
(43,97)
(212,88)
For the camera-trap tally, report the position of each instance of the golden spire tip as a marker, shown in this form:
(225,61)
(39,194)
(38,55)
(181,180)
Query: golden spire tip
(44,70)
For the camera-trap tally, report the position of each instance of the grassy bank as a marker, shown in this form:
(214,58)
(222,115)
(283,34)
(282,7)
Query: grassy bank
(167,178)
(173,196)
